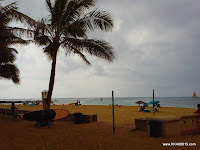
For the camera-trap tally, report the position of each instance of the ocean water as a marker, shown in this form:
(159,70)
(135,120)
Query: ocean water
(185,102)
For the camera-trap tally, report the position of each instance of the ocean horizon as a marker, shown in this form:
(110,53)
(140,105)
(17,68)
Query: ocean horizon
(185,102)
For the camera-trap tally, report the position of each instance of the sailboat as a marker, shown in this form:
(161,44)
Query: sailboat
(194,95)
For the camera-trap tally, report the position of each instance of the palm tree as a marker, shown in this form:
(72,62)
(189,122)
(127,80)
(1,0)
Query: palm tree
(67,26)
(10,36)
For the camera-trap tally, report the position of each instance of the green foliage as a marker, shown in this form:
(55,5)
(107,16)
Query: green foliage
(11,36)
(67,26)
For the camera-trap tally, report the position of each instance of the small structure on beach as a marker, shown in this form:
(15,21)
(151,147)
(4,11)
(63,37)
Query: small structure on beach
(44,93)
(44,97)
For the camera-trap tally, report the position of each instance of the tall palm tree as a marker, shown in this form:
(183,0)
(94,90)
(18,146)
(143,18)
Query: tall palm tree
(10,36)
(67,26)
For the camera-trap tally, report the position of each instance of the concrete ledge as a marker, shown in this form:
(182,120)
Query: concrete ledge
(189,115)
(141,124)
(172,125)
(163,118)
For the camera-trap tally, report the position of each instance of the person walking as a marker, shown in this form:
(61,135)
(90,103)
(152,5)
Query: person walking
(13,110)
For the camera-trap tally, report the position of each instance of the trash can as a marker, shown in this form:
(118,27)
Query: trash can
(155,128)
(78,118)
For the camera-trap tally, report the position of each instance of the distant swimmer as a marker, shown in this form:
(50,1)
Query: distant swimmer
(101,99)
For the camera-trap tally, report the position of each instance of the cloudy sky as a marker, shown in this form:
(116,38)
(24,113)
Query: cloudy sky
(157,45)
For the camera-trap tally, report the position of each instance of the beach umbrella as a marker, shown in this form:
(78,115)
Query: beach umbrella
(139,102)
(155,102)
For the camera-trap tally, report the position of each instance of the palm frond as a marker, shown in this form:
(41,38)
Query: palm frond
(75,30)
(11,12)
(19,41)
(12,6)
(49,7)
(97,19)
(76,51)
(12,36)
(94,47)
(76,8)
(44,28)
(43,34)
(18,16)
(57,12)
(42,40)
(10,71)
(7,55)
(21,32)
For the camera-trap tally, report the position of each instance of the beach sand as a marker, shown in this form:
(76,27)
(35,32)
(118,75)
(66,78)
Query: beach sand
(21,134)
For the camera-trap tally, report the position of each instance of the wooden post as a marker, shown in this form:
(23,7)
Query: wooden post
(113,112)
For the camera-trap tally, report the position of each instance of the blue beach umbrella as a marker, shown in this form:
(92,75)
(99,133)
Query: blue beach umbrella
(155,102)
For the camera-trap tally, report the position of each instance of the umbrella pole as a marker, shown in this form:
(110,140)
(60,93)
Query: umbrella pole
(153,104)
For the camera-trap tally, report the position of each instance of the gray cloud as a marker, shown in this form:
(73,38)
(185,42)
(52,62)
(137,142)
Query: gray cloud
(157,46)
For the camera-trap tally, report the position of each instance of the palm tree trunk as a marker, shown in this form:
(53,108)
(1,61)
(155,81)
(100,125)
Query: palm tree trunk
(51,81)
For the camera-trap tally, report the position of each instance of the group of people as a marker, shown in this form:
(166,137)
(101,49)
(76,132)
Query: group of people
(35,103)
(155,106)
(142,108)
(78,102)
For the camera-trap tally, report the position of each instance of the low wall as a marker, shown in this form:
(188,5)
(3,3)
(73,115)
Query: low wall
(141,124)
(169,124)
(172,125)
(189,124)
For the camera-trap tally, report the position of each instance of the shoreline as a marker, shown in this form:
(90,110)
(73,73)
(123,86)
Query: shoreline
(181,102)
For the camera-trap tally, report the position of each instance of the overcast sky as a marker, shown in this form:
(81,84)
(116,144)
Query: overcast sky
(157,45)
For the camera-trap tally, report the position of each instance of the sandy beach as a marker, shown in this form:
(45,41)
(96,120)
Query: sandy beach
(21,134)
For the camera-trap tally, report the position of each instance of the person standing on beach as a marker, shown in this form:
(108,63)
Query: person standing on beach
(13,110)
(198,110)
(79,102)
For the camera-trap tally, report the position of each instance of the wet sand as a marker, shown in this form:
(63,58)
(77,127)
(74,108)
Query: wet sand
(21,134)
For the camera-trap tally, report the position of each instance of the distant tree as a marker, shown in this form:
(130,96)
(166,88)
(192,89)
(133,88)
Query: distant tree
(67,26)
(11,36)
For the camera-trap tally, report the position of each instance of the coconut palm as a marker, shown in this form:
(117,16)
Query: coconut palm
(10,36)
(67,26)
